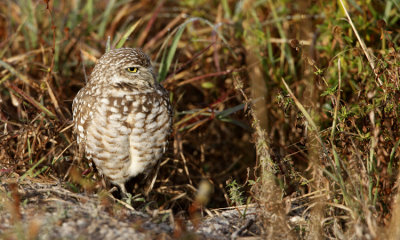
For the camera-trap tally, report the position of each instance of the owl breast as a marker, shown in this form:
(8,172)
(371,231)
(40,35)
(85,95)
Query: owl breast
(126,133)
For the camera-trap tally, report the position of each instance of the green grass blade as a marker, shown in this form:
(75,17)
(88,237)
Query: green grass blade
(166,63)
(30,171)
(15,72)
(166,60)
(33,102)
(392,154)
(301,108)
(231,110)
(127,34)
(106,15)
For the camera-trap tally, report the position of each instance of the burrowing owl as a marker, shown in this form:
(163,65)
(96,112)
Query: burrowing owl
(122,117)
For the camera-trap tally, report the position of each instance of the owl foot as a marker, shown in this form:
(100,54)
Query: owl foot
(125,196)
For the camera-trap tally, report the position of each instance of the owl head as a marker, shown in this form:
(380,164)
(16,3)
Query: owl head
(124,66)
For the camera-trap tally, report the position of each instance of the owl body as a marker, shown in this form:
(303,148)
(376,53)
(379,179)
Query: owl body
(122,118)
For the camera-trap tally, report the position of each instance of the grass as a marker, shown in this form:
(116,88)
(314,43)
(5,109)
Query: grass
(275,102)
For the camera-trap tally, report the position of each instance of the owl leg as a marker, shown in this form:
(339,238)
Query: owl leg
(123,190)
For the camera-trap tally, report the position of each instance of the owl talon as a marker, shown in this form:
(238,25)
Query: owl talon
(127,198)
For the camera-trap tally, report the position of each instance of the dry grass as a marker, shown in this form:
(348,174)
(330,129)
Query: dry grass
(292,105)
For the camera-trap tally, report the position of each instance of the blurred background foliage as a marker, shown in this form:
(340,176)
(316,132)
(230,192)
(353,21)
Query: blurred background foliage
(327,141)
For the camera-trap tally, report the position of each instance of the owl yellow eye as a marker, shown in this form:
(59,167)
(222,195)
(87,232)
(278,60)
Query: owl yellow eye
(132,69)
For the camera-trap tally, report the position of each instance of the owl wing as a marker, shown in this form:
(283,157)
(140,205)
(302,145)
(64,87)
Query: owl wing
(82,115)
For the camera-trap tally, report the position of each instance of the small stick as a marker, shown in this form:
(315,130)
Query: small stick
(363,46)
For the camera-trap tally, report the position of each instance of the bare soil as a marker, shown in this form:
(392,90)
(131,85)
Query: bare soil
(38,210)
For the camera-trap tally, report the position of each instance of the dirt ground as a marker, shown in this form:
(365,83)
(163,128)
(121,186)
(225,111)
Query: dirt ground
(37,210)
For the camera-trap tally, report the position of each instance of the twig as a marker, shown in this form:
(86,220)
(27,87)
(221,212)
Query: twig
(32,101)
(121,202)
(204,76)
(160,34)
(150,23)
(184,66)
(363,46)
